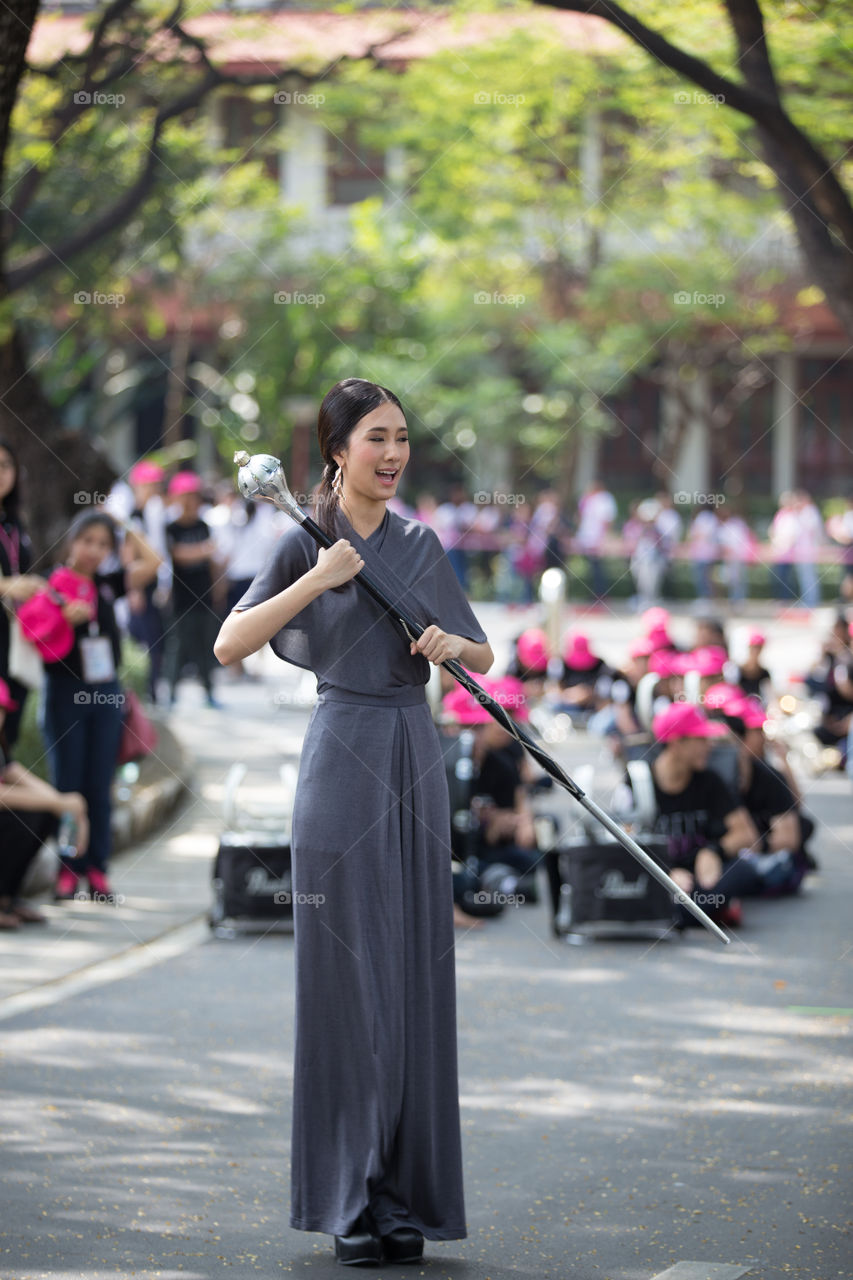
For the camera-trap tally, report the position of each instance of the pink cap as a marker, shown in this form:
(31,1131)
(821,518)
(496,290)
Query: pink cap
(463,707)
(44,625)
(720,694)
(665,662)
(708,660)
(184,482)
(756,639)
(74,586)
(660,637)
(656,617)
(683,720)
(532,649)
(576,652)
(641,648)
(747,710)
(145,472)
(509,692)
(6,699)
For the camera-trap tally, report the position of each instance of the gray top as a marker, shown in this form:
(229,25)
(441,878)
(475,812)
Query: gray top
(344,636)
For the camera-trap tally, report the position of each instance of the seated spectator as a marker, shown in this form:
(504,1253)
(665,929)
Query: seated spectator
(710,633)
(30,810)
(581,670)
(529,662)
(780,857)
(753,677)
(705,824)
(835,674)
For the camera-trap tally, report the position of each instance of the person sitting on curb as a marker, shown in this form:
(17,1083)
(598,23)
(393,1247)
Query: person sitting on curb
(706,825)
(30,810)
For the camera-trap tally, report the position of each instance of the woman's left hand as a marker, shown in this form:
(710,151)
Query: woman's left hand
(437,646)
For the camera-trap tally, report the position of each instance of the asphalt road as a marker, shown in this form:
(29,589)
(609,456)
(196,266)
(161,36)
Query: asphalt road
(630,1110)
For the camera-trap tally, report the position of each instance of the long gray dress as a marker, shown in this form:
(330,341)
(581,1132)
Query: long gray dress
(375,1097)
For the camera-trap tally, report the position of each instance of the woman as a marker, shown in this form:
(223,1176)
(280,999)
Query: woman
(30,810)
(16,582)
(83,700)
(376,1141)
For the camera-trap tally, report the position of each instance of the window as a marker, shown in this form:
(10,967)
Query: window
(354,170)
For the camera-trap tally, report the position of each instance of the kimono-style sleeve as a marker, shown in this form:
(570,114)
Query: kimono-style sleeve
(452,611)
(421,577)
(293,555)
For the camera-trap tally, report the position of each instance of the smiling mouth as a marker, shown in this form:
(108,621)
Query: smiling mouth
(388,475)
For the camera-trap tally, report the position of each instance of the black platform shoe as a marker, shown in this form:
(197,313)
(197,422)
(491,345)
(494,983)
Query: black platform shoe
(362,1245)
(404,1244)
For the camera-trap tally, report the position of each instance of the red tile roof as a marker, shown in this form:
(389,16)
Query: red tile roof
(268,41)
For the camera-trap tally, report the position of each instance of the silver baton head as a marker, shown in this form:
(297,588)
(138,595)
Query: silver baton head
(261,477)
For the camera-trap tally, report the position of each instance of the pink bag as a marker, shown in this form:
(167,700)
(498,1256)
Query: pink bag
(138,734)
(42,623)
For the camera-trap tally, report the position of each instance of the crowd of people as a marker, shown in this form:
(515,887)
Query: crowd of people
(713,784)
(512,542)
(166,557)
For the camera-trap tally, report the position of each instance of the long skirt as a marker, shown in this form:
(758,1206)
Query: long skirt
(375,1098)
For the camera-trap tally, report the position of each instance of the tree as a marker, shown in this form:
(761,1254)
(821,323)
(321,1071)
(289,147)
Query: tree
(806,170)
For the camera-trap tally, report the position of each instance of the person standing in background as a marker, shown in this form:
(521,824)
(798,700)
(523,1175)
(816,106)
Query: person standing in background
(145,620)
(784,528)
(197,588)
(809,538)
(17,584)
(703,541)
(596,513)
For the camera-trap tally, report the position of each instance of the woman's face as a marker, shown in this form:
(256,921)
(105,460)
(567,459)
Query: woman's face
(8,473)
(90,549)
(376,454)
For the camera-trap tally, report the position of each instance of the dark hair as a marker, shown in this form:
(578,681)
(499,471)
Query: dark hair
(85,521)
(342,409)
(11,504)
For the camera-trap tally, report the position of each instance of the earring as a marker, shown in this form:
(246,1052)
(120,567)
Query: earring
(338,484)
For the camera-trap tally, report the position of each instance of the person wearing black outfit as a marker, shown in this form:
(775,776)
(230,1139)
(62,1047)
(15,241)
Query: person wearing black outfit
(16,582)
(83,703)
(705,823)
(196,575)
(30,809)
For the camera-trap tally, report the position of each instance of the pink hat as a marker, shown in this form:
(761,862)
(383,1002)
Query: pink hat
(683,720)
(74,586)
(463,707)
(720,694)
(747,710)
(532,649)
(641,648)
(660,637)
(145,472)
(184,482)
(44,625)
(509,692)
(576,652)
(708,660)
(665,662)
(6,699)
(655,618)
(756,639)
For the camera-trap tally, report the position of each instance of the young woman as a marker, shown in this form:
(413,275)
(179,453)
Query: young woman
(83,701)
(376,1142)
(16,582)
(30,809)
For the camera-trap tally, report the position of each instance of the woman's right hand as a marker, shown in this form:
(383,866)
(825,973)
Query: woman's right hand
(337,564)
(77,611)
(22,587)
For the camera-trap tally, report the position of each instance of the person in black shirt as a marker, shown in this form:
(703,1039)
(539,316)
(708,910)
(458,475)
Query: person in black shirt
(705,824)
(754,678)
(83,703)
(16,582)
(30,809)
(197,587)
